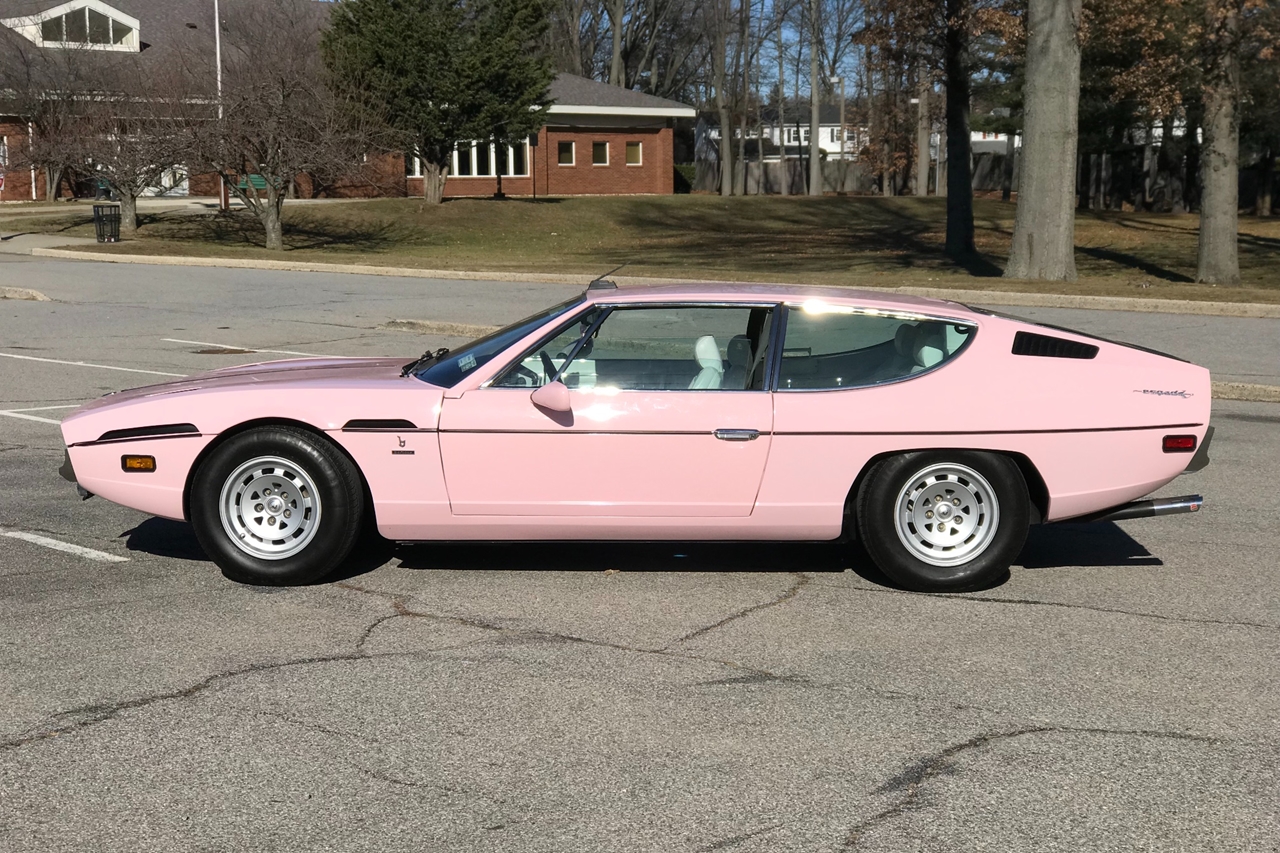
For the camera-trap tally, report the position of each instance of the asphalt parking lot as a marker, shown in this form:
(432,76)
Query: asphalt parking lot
(1119,692)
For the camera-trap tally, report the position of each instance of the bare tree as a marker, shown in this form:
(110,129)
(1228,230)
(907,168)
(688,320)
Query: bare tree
(1044,226)
(280,119)
(51,90)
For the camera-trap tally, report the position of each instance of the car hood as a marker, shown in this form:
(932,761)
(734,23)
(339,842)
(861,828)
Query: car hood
(295,370)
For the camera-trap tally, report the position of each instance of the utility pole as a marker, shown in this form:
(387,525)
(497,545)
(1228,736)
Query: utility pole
(224,203)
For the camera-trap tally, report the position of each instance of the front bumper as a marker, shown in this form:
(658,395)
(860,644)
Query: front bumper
(68,472)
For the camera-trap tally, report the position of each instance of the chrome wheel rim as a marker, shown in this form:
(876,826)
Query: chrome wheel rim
(270,508)
(947,515)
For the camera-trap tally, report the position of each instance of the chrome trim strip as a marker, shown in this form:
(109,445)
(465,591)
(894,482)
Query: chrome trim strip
(1004,431)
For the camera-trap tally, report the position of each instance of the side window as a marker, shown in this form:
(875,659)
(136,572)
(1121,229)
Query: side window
(827,348)
(700,348)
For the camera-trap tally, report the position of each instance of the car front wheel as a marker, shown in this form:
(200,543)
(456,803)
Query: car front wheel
(944,521)
(276,506)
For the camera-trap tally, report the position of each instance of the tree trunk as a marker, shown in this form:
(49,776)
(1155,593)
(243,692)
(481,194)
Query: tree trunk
(784,175)
(960,241)
(433,175)
(128,213)
(1044,225)
(1266,181)
(616,10)
(53,182)
(1006,182)
(1220,156)
(924,131)
(269,213)
(815,96)
(940,176)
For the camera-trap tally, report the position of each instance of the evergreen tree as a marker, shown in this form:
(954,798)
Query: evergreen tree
(443,71)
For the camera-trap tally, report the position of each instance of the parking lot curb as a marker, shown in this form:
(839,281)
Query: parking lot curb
(1252,310)
(1246,392)
(23,293)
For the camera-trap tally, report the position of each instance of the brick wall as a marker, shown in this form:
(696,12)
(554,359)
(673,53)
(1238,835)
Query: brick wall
(17,181)
(655,175)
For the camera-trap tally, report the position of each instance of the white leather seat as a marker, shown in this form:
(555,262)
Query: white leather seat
(707,353)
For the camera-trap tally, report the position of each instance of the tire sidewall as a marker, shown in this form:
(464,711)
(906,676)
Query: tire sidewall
(337,485)
(878,505)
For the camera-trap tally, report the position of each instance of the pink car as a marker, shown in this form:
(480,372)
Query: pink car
(934,432)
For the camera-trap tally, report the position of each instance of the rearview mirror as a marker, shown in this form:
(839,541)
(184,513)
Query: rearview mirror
(554,397)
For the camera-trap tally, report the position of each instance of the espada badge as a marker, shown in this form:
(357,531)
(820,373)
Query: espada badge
(1157,393)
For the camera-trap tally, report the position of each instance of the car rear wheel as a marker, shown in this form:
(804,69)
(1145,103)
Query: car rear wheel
(944,521)
(276,506)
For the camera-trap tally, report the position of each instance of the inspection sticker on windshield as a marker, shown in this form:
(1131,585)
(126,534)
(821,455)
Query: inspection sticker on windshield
(467,362)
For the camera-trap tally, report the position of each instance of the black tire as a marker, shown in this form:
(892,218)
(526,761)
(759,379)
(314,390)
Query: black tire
(890,485)
(338,501)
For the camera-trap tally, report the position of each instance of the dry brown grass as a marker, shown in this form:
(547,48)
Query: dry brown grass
(849,241)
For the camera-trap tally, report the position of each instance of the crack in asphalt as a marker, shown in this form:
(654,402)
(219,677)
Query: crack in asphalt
(801,580)
(1031,602)
(401,608)
(914,777)
(85,716)
(735,840)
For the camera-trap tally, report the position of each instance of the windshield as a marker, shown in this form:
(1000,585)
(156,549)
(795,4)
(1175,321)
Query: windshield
(458,364)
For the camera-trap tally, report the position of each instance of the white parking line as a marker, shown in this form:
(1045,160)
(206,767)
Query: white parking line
(87,364)
(249,349)
(47,408)
(29,417)
(66,547)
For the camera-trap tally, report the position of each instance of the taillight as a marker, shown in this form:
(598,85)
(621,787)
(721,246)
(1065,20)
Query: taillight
(1179,444)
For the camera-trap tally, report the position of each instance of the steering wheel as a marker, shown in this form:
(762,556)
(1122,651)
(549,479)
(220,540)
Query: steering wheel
(548,366)
(531,379)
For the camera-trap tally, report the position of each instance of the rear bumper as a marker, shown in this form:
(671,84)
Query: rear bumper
(1144,509)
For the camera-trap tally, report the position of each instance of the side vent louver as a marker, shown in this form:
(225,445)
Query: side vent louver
(1044,346)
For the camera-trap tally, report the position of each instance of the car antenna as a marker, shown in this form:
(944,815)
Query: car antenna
(602,283)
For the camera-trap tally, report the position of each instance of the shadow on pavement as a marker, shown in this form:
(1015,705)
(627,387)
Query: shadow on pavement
(1048,546)
(1051,546)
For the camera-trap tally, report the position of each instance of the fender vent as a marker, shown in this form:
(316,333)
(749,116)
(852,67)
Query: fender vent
(1044,346)
(162,431)
(369,424)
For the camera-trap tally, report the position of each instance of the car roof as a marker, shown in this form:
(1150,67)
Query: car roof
(712,291)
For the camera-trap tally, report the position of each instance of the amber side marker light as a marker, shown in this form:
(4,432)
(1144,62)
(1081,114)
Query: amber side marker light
(138,463)
(1179,444)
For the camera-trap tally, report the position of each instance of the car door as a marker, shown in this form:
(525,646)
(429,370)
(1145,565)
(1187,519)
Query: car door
(668,416)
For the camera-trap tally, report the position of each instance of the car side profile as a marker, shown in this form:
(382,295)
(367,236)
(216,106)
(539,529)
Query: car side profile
(934,432)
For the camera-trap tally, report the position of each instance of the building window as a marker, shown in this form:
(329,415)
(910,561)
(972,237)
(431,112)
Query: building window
(85,26)
(518,163)
(564,153)
(633,154)
(599,154)
(462,161)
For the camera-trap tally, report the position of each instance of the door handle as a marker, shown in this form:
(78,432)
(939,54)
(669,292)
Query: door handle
(737,434)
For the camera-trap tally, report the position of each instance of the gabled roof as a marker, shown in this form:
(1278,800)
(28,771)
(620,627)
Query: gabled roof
(581,96)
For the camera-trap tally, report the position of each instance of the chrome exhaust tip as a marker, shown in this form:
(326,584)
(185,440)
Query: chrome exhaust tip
(1144,509)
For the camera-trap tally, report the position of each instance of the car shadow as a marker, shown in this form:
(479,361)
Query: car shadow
(1096,544)
(1048,546)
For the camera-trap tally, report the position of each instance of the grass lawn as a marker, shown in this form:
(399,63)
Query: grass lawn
(849,241)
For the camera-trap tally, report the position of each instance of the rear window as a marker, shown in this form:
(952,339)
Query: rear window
(829,347)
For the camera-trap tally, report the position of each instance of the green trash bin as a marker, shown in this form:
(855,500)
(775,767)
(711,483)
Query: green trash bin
(106,222)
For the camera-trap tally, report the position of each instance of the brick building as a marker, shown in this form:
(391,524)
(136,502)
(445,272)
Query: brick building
(598,140)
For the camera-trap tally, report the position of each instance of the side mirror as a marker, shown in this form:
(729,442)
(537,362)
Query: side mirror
(554,397)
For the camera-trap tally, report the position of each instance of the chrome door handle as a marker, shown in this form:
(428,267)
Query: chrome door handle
(737,434)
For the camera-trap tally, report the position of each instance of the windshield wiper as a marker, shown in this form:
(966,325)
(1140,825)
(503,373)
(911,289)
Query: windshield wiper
(426,357)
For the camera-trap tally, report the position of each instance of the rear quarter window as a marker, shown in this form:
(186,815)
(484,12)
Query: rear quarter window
(832,348)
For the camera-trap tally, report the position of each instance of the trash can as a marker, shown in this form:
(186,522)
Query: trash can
(106,222)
